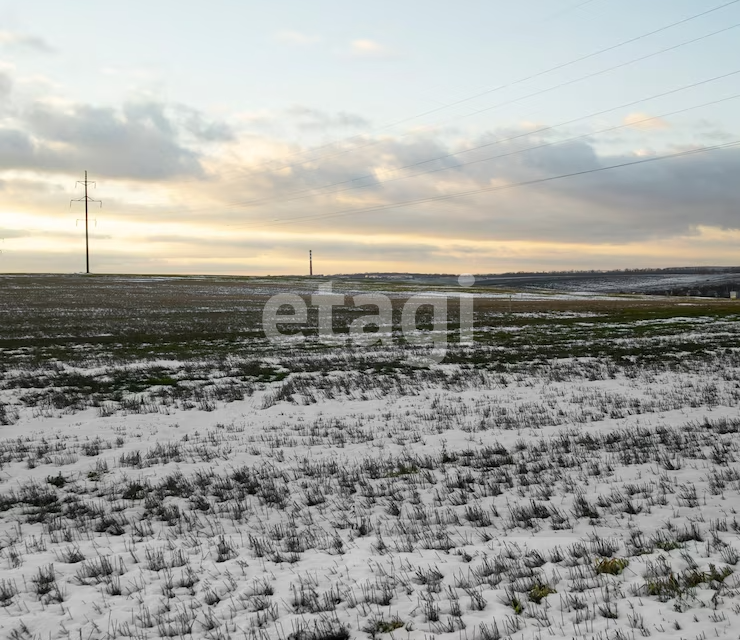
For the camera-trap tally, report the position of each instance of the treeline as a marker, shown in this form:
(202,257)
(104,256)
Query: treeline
(614,272)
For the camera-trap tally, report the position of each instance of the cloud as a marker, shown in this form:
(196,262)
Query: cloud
(656,200)
(145,141)
(365,48)
(296,38)
(6,84)
(202,128)
(13,40)
(285,124)
(139,141)
(645,122)
(137,73)
(257,199)
(14,233)
(316,119)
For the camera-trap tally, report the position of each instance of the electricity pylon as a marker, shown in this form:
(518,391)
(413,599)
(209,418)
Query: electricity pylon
(86,199)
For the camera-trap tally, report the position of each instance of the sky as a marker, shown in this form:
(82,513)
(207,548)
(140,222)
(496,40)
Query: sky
(475,137)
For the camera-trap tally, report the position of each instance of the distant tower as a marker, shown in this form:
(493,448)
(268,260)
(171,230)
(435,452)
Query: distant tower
(310,262)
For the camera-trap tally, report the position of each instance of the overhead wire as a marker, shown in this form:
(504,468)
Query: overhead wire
(542,91)
(497,188)
(242,173)
(312,191)
(441,197)
(524,79)
(545,145)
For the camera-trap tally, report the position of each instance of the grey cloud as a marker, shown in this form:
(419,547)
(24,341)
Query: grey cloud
(16,148)
(209,131)
(652,200)
(656,199)
(140,141)
(565,158)
(14,233)
(714,135)
(665,197)
(419,150)
(6,85)
(150,114)
(180,117)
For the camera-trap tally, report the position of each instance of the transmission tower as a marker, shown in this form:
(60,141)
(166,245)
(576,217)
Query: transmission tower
(86,199)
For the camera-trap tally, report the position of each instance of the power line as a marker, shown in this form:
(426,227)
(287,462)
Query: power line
(536,147)
(550,89)
(512,84)
(571,139)
(515,185)
(513,101)
(455,103)
(312,192)
(251,172)
(86,199)
(685,20)
(595,74)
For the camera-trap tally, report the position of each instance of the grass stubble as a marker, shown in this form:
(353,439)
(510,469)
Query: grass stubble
(166,472)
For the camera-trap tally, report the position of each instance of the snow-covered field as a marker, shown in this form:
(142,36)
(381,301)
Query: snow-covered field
(575,474)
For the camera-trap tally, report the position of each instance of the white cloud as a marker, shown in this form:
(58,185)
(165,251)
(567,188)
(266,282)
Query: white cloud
(296,38)
(366,48)
(11,39)
(316,119)
(644,122)
(134,73)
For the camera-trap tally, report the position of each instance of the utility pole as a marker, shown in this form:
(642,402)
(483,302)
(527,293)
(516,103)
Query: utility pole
(86,199)
(310,262)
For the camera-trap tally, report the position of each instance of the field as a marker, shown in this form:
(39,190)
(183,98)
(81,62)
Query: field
(168,472)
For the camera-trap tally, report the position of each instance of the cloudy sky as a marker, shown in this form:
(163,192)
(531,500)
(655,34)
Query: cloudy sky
(232,137)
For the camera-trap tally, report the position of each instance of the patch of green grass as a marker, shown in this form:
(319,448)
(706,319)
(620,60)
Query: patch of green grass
(677,586)
(517,606)
(538,592)
(380,625)
(664,587)
(714,575)
(612,566)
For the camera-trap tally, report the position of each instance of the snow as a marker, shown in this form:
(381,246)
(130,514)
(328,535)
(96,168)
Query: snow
(307,538)
(340,493)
